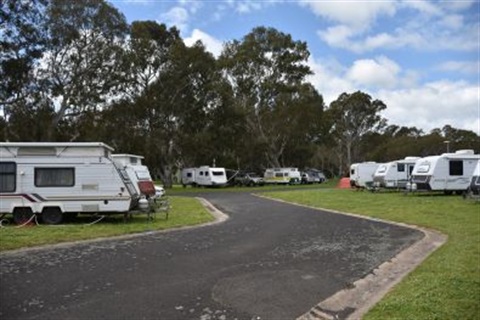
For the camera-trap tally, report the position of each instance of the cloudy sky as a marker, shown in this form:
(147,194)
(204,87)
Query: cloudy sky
(421,58)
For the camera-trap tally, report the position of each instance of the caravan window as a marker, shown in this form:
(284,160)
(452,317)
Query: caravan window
(381,169)
(54,177)
(456,168)
(8,173)
(401,167)
(217,173)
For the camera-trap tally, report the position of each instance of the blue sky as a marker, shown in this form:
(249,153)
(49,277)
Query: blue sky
(422,58)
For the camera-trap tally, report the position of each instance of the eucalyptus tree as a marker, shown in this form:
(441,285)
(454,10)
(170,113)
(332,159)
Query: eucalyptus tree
(267,72)
(353,116)
(79,71)
(169,94)
(22,43)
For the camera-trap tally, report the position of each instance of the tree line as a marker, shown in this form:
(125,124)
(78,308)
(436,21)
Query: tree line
(77,71)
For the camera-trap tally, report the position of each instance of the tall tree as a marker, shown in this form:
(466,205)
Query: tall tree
(22,43)
(353,116)
(79,72)
(267,70)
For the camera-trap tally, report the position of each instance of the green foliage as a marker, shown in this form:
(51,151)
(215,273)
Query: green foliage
(75,71)
(447,284)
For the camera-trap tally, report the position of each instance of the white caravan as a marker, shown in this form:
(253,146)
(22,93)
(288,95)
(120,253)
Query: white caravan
(204,176)
(282,176)
(474,188)
(137,172)
(58,179)
(395,174)
(188,176)
(361,174)
(448,172)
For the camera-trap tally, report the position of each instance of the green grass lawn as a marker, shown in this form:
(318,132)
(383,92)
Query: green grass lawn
(447,284)
(184,211)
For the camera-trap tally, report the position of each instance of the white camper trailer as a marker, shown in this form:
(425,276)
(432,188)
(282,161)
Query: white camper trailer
(395,174)
(188,176)
(282,176)
(449,172)
(137,172)
(204,176)
(361,174)
(58,179)
(473,190)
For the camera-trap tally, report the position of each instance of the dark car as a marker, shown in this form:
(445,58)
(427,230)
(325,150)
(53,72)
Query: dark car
(248,179)
(313,176)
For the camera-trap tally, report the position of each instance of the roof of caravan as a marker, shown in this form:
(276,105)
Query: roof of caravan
(55,144)
(127,155)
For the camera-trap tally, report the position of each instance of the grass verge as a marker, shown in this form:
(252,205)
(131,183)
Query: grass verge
(447,284)
(184,211)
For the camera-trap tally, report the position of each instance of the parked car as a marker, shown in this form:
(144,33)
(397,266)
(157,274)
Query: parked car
(313,176)
(159,192)
(248,179)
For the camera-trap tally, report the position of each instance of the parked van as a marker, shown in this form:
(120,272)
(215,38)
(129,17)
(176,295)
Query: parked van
(361,174)
(58,179)
(449,172)
(395,174)
(282,176)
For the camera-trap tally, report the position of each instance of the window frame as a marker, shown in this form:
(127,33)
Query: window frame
(37,185)
(454,169)
(14,174)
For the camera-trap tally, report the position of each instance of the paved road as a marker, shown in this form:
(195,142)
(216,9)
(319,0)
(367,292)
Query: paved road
(268,261)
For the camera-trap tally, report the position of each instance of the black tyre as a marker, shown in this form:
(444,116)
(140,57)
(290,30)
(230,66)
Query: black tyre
(22,215)
(52,215)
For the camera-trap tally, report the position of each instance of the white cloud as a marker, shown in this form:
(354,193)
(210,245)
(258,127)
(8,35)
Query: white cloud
(212,44)
(374,73)
(430,27)
(356,14)
(423,6)
(425,106)
(176,16)
(434,105)
(465,67)
(192,6)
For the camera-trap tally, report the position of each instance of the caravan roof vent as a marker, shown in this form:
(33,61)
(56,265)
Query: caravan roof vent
(466,151)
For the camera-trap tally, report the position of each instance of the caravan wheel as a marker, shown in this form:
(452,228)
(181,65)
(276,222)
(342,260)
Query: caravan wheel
(22,215)
(52,215)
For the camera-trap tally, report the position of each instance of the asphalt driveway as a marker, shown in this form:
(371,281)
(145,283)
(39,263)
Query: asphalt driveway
(270,260)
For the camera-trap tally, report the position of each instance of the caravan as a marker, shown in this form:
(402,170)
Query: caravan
(473,190)
(137,173)
(449,172)
(361,174)
(282,176)
(395,174)
(204,176)
(55,180)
